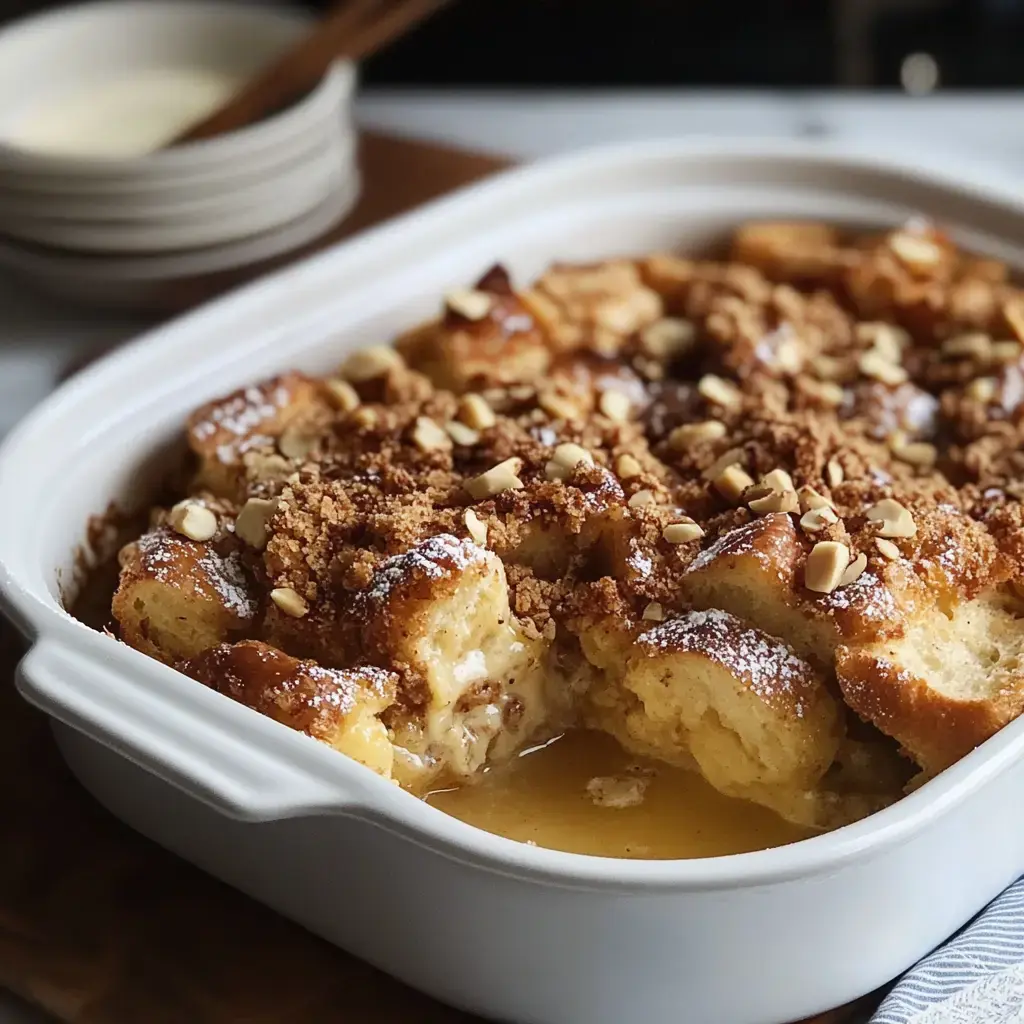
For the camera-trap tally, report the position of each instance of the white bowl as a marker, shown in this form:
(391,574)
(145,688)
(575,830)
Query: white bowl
(143,283)
(510,931)
(63,50)
(264,206)
(93,227)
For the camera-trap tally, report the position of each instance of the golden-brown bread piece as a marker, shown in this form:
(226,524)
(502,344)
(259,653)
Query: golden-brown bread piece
(593,306)
(948,684)
(177,597)
(755,572)
(504,345)
(753,713)
(221,432)
(339,707)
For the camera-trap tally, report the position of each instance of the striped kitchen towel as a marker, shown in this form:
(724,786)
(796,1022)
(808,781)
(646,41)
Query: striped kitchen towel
(976,978)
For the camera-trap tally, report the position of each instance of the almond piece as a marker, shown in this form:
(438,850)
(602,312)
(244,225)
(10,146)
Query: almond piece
(252,521)
(825,566)
(894,520)
(192,520)
(290,601)
(682,533)
(370,363)
(499,478)
(470,303)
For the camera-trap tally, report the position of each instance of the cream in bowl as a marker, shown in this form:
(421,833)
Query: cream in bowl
(126,115)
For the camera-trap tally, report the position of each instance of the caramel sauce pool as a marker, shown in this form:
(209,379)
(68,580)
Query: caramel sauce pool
(541,797)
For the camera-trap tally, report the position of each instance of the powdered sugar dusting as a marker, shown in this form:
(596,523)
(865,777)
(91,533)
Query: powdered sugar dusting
(744,540)
(162,553)
(435,558)
(867,594)
(243,412)
(767,666)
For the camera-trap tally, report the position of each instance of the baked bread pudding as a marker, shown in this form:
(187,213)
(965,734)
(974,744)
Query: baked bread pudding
(756,516)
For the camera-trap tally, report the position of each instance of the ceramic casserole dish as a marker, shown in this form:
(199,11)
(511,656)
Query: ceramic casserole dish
(507,930)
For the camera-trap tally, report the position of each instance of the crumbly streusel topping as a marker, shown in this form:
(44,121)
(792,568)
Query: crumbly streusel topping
(608,424)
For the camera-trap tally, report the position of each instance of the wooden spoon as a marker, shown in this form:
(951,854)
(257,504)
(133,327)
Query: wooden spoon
(353,30)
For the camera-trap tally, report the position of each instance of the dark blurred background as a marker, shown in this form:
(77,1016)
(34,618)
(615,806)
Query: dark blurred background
(911,45)
(915,45)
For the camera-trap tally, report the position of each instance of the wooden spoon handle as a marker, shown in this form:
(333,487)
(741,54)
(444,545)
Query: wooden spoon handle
(354,30)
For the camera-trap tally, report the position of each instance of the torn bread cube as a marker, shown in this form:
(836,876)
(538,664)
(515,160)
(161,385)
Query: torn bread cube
(176,597)
(949,683)
(339,707)
(441,610)
(221,432)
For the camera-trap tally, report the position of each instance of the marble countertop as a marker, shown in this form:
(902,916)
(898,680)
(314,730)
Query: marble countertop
(38,338)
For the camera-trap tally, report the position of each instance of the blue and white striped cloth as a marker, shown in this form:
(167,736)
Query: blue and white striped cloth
(976,978)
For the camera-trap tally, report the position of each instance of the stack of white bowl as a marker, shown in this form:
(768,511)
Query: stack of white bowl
(86,216)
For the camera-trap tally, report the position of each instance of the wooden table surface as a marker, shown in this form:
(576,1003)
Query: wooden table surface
(100,926)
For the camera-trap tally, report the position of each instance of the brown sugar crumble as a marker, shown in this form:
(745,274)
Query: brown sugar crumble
(769,503)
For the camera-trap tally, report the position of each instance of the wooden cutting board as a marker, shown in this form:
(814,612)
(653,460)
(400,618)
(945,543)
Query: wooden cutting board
(100,926)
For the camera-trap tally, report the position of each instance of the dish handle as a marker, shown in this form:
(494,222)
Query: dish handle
(200,750)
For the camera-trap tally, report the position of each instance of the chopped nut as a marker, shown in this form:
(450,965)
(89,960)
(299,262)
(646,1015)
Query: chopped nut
(719,391)
(344,397)
(192,520)
(365,417)
(627,467)
(263,468)
(982,389)
(615,405)
(499,478)
(789,356)
(477,528)
(833,473)
(370,363)
(827,392)
(825,566)
(565,460)
(682,533)
(919,255)
(558,406)
(726,459)
(654,612)
(295,443)
(290,601)
(854,569)
(816,520)
(642,498)
(873,365)
(774,501)
(521,392)
(916,453)
(732,482)
(894,519)
(810,499)
(461,434)
(550,630)
(476,413)
(887,340)
(668,338)
(778,480)
(1005,351)
(252,521)
(887,549)
(428,436)
(974,345)
(696,433)
(470,303)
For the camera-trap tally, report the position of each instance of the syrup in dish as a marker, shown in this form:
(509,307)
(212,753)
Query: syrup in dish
(582,793)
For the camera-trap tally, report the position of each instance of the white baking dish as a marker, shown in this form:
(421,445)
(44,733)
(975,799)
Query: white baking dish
(507,930)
